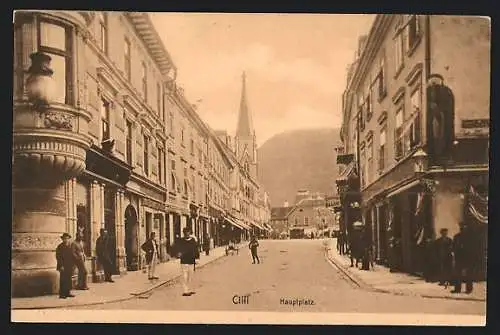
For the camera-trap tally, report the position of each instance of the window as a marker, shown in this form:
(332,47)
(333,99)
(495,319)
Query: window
(381,156)
(127,60)
(381,80)
(103,31)
(144,81)
(146,155)
(361,112)
(414,129)
(398,133)
(362,166)
(182,136)
(171,124)
(369,161)
(129,142)
(368,106)
(399,50)
(105,133)
(158,98)
(55,40)
(306,220)
(160,165)
(172,176)
(191,146)
(412,32)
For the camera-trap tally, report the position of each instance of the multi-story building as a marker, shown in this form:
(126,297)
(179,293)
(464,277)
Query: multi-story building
(415,132)
(104,139)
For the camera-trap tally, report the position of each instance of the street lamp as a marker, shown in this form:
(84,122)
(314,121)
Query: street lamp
(40,86)
(420,157)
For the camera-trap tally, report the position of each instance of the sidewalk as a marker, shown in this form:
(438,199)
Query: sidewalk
(125,287)
(380,279)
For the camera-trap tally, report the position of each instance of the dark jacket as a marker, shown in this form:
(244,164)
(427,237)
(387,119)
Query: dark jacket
(103,249)
(444,248)
(253,244)
(148,247)
(464,248)
(65,257)
(188,250)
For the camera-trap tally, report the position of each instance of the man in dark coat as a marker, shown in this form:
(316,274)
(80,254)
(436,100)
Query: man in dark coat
(150,247)
(206,244)
(79,255)
(65,265)
(444,250)
(103,252)
(188,252)
(463,250)
(253,245)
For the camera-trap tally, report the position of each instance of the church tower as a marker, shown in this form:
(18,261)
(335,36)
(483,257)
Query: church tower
(245,135)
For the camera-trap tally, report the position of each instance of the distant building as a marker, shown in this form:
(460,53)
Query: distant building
(310,215)
(279,219)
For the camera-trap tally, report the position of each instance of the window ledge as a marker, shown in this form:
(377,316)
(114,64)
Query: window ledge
(415,45)
(399,70)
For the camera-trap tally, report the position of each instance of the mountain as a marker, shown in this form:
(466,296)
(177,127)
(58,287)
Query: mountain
(298,159)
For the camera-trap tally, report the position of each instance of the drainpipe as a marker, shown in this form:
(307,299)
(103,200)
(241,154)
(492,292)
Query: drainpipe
(427,47)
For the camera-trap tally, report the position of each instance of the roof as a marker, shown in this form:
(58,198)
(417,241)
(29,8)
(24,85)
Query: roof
(279,213)
(153,42)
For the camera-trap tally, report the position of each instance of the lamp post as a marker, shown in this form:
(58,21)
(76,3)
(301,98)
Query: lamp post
(420,157)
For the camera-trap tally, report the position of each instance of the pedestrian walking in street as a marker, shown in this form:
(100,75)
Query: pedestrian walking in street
(79,255)
(188,252)
(253,245)
(463,250)
(65,265)
(103,251)
(150,247)
(206,244)
(444,249)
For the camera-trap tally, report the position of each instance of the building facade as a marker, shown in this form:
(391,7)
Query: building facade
(415,133)
(105,138)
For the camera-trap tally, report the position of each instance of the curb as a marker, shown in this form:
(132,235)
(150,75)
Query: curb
(131,296)
(362,284)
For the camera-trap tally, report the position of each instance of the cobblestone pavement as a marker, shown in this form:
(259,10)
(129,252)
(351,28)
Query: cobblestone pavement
(290,269)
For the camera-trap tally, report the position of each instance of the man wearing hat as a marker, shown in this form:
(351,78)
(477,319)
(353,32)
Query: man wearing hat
(444,249)
(65,265)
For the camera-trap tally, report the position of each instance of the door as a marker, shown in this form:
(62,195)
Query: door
(110,225)
(131,244)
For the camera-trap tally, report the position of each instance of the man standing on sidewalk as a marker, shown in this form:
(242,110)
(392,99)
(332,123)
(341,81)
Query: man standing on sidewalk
(188,252)
(463,251)
(150,247)
(103,252)
(65,265)
(79,255)
(444,248)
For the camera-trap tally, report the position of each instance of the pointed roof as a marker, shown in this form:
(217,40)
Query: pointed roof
(245,124)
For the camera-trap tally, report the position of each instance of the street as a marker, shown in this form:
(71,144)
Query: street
(289,270)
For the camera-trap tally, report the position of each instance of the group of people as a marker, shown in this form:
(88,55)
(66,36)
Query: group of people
(456,259)
(71,254)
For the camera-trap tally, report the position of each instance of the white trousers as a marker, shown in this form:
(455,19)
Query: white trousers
(152,266)
(187,276)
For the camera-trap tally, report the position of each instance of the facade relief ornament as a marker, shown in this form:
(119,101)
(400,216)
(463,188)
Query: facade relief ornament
(34,241)
(58,121)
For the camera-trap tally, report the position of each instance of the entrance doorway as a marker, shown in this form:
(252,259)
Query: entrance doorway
(131,245)
(109,224)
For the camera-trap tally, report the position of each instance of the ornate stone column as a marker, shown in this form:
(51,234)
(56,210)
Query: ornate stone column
(120,234)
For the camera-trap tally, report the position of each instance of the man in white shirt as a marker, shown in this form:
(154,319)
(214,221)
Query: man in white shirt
(150,247)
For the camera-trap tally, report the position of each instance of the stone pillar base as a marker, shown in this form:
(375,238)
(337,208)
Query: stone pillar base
(38,222)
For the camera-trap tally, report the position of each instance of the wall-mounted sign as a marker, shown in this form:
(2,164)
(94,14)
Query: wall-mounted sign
(475,127)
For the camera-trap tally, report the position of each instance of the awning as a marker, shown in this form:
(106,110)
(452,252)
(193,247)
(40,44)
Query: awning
(403,188)
(346,173)
(258,226)
(231,221)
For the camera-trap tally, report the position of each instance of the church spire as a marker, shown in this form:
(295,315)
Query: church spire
(245,124)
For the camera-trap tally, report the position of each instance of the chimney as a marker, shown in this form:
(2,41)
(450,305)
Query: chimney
(285,204)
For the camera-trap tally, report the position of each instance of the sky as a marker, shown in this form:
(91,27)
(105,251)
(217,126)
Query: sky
(295,65)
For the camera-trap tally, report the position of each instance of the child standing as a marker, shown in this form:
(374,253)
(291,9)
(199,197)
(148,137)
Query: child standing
(253,248)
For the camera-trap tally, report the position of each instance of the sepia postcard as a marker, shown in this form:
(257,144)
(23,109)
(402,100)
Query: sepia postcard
(216,168)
